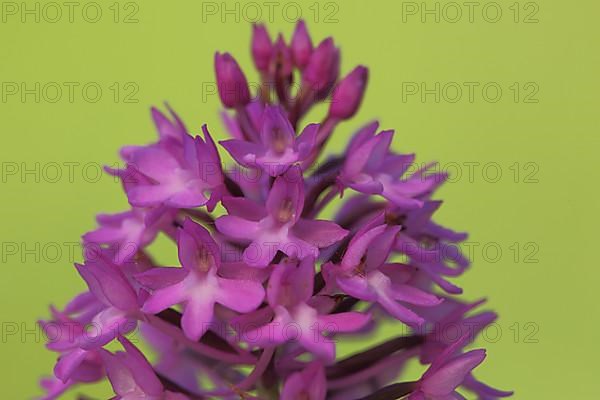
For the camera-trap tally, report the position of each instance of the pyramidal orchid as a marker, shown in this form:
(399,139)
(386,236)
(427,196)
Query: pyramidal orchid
(266,282)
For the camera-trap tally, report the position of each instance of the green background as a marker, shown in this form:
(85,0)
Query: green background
(549,208)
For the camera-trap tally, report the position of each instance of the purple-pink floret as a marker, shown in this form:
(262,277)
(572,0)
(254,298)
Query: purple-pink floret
(270,275)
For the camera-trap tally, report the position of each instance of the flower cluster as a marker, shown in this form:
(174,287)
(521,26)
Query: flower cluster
(265,287)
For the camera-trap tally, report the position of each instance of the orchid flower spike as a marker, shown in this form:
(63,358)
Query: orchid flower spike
(283,252)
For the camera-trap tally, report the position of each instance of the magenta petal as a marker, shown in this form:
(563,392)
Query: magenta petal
(215,197)
(120,377)
(240,295)
(294,387)
(250,321)
(309,384)
(243,152)
(412,295)
(302,279)
(448,287)
(108,283)
(382,141)
(104,234)
(271,334)
(90,370)
(166,128)
(68,363)
(208,149)
(237,227)
(364,183)
(322,347)
(291,282)
(231,125)
(286,198)
(130,374)
(452,374)
(244,208)
(80,303)
(164,298)
(196,248)
(398,164)
(418,396)
(259,254)
(307,140)
(188,198)
(358,246)
(280,290)
(358,159)
(155,163)
(141,369)
(484,391)
(239,270)
(379,249)
(448,353)
(400,312)
(319,233)
(161,277)
(145,196)
(344,322)
(298,248)
(358,287)
(407,245)
(54,387)
(197,317)
(104,327)
(276,131)
(362,135)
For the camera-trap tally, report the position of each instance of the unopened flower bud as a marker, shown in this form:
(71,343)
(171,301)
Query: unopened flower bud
(283,58)
(231,82)
(262,48)
(348,94)
(323,68)
(301,45)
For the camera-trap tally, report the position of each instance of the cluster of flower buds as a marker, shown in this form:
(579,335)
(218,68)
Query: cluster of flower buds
(266,285)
